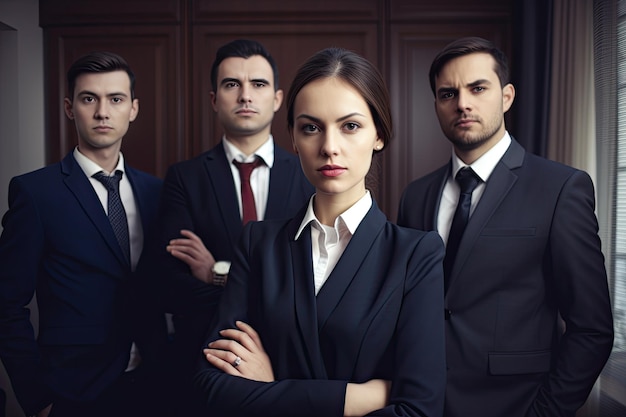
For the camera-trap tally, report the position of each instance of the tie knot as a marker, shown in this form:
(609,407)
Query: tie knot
(110,182)
(467,179)
(246,168)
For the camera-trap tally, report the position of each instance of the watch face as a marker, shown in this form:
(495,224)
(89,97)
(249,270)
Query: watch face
(221,268)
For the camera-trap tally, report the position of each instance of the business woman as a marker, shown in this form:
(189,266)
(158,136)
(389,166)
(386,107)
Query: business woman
(335,312)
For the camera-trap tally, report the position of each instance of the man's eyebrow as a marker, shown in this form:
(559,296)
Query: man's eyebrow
(260,80)
(446,90)
(478,82)
(235,80)
(229,80)
(91,93)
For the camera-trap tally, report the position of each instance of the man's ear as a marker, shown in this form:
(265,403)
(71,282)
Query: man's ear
(278,100)
(508,95)
(134,111)
(213,97)
(67,106)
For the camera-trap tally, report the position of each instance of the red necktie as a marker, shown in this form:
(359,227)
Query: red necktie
(247,197)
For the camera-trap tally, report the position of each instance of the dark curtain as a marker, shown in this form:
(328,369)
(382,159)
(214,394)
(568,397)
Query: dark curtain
(530,73)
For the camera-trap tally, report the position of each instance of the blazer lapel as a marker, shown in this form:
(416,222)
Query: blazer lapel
(141,197)
(221,179)
(304,297)
(432,199)
(78,183)
(349,264)
(498,186)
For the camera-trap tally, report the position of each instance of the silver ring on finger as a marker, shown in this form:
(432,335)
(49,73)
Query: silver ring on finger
(236,362)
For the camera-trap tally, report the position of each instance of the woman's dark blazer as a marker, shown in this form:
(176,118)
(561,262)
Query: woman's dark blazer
(379,315)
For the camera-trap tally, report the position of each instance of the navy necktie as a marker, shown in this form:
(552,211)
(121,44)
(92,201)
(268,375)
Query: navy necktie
(468,180)
(247,197)
(116,212)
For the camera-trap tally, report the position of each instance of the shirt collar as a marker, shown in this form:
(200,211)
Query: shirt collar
(90,168)
(484,165)
(265,152)
(351,218)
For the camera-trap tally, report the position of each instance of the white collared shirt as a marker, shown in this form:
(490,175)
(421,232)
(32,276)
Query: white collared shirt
(328,243)
(483,167)
(260,177)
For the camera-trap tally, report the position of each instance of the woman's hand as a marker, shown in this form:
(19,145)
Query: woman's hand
(241,353)
(45,412)
(362,399)
(191,250)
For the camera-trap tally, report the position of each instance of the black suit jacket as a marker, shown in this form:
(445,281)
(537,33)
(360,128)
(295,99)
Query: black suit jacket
(58,241)
(377,316)
(199,195)
(530,251)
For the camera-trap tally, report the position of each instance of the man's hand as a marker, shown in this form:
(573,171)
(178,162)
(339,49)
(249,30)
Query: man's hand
(191,250)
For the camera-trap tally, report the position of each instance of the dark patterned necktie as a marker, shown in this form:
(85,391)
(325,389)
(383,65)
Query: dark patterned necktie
(468,180)
(116,212)
(247,197)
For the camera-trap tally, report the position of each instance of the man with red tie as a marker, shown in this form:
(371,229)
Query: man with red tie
(207,200)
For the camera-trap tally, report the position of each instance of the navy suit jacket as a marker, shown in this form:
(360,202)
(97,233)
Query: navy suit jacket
(199,195)
(57,241)
(530,251)
(377,316)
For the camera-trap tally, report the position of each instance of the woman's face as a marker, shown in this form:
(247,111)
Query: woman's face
(335,136)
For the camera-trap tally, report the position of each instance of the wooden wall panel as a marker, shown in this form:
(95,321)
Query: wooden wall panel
(282,11)
(153,140)
(289,44)
(426,11)
(79,12)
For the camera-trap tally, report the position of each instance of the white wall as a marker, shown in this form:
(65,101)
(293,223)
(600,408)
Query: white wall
(21,109)
(21,76)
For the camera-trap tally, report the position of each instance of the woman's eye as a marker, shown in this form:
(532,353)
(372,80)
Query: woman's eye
(351,126)
(309,128)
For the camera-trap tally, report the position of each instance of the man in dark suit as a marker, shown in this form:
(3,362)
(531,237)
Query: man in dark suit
(61,240)
(529,255)
(202,208)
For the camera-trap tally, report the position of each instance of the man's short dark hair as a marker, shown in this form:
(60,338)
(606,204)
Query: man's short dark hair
(242,48)
(97,62)
(465,46)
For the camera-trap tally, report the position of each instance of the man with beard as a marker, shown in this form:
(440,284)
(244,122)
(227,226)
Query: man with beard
(522,253)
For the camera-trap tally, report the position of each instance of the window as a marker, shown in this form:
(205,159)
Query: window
(613,382)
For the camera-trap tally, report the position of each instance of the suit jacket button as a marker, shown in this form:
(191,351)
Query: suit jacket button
(447,313)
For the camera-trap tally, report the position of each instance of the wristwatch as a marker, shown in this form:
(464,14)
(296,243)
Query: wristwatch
(220,272)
